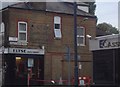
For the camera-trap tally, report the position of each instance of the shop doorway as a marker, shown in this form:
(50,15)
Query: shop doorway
(21,71)
(19,66)
(29,68)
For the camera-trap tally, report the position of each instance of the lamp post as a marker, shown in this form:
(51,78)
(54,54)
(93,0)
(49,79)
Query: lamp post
(75,45)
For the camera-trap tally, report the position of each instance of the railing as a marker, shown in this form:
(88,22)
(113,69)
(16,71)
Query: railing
(83,82)
(48,82)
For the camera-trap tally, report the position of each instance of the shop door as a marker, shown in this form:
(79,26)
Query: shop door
(31,68)
(37,77)
(21,71)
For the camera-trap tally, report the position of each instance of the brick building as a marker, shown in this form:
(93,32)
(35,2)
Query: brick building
(36,38)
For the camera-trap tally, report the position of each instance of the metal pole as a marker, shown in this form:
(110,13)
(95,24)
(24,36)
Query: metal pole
(75,45)
(69,70)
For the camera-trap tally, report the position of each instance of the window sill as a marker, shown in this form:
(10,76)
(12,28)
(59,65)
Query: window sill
(23,42)
(19,43)
(80,45)
(57,38)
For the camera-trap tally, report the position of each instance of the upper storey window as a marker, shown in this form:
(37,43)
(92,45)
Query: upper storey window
(22,31)
(57,27)
(80,36)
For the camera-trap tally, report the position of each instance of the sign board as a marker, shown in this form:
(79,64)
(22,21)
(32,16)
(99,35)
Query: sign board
(3,50)
(81,82)
(106,42)
(18,43)
(26,51)
(13,39)
(30,62)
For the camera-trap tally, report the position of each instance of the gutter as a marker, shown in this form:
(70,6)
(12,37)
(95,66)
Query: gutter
(31,9)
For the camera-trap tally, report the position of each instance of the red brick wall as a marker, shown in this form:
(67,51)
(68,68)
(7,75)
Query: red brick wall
(40,32)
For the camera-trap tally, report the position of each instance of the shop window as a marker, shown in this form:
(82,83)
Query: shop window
(22,31)
(57,27)
(80,36)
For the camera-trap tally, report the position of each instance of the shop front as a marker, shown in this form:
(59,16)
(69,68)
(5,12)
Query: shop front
(23,66)
(106,58)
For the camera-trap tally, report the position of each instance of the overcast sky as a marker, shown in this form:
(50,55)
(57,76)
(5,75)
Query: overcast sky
(106,11)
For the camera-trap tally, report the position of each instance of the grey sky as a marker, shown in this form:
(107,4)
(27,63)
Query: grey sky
(107,12)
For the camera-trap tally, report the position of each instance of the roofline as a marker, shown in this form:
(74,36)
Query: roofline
(3,9)
(79,4)
(108,36)
(52,12)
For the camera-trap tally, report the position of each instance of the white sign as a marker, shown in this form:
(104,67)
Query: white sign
(30,62)
(106,42)
(13,39)
(18,43)
(26,51)
(81,82)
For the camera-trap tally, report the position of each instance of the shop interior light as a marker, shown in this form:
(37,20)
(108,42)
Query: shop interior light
(80,77)
(84,77)
(18,58)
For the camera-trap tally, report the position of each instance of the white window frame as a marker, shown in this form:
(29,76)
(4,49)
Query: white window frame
(22,31)
(57,32)
(81,36)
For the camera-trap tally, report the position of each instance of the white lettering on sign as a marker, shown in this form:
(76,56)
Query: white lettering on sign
(26,51)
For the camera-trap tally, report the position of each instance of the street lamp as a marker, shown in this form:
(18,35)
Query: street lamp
(75,45)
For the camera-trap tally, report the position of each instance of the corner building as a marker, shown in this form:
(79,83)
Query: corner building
(36,40)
